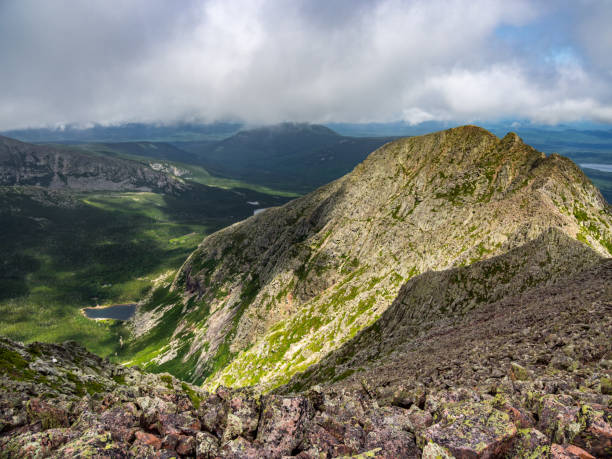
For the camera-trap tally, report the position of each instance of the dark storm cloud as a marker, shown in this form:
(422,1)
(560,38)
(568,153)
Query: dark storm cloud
(261,61)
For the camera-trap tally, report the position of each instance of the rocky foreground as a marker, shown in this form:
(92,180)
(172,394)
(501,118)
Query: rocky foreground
(62,401)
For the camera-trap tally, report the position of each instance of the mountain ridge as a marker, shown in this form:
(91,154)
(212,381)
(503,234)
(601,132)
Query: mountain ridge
(265,298)
(48,166)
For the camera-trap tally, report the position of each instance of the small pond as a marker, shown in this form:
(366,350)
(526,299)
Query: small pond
(115,311)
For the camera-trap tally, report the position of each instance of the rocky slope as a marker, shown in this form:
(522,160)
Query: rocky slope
(270,296)
(27,164)
(527,376)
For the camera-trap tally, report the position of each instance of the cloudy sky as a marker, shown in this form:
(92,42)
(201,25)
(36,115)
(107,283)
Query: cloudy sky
(265,61)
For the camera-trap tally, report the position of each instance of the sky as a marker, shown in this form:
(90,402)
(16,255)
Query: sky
(267,61)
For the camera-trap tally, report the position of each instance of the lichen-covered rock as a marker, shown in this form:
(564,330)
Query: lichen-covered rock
(558,418)
(48,415)
(595,435)
(242,416)
(207,445)
(530,444)
(283,423)
(393,442)
(518,372)
(606,385)
(213,412)
(471,430)
(434,451)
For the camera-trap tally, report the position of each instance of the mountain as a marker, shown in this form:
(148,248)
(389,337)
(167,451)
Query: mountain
(27,164)
(294,156)
(152,150)
(268,297)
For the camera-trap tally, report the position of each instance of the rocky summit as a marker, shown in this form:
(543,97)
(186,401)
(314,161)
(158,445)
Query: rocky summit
(449,298)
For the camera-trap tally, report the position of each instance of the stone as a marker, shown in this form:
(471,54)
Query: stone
(240,448)
(470,429)
(595,435)
(48,415)
(433,451)
(518,372)
(207,446)
(558,418)
(213,413)
(419,419)
(283,423)
(242,417)
(530,444)
(186,445)
(393,443)
(148,439)
(606,385)
(568,452)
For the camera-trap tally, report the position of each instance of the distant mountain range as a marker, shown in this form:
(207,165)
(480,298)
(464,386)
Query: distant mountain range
(54,167)
(299,157)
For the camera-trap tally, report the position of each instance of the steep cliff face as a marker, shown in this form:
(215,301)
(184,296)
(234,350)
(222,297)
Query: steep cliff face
(27,164)
(270,296)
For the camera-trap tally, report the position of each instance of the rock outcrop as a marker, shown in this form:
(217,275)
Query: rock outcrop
(62,168)
(270,296)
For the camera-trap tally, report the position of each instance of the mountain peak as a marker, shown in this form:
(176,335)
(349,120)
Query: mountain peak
(272,295)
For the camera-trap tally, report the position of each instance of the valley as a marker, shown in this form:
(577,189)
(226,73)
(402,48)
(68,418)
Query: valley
(65,247)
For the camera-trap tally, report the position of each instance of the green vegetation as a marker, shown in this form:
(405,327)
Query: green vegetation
(62,252)
(196,400)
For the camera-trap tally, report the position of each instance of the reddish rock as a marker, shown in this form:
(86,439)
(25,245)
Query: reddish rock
(568,452)
(48,415)
(318,442)
(170,441)
(283,423)
(148,439)
(177,424)
(393,443)
(596,436)
(522,418)
(419,419)
(121,423)
(186,445)
(558,418)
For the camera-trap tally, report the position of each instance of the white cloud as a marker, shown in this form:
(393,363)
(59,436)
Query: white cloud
(264,61)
